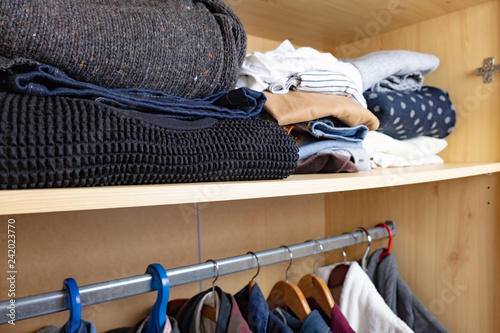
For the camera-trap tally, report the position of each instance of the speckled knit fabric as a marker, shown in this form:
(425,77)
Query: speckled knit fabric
(67,142)
(186,48)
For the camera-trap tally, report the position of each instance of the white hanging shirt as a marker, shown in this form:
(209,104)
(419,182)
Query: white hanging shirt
(362,305)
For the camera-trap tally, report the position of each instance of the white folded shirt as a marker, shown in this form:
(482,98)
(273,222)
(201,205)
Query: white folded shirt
(259,69)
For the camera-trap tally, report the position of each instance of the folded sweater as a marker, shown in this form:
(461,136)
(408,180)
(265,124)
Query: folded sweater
(188,48)
(406,65)
(68,142)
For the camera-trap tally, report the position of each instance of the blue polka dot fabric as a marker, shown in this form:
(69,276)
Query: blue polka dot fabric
(409,114)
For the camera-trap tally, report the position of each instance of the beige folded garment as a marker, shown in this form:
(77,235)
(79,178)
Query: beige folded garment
(295,107)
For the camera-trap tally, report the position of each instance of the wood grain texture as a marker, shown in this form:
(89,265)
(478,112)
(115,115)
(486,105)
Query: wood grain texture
(97,246)
(461,40)
(233,228)
(326,23)
(446,244)
(56,200)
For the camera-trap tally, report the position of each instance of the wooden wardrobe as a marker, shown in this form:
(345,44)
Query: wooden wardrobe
(447,215)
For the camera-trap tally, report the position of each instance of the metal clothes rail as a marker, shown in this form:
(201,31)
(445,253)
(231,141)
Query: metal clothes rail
(52,302)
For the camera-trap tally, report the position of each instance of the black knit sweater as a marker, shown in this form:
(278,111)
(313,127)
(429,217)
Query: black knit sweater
(68,142)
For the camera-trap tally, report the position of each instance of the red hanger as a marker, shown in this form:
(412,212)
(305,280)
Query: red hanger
(389,247)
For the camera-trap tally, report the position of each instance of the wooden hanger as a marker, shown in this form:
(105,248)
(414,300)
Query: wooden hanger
(289,294)
(313,286)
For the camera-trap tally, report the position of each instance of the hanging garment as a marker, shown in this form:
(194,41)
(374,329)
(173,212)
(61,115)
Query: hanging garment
(190,316)
(45,80)
(398,296)
(406,65)
(175,306)
(314,323)
(362,305)
(296,107)
(325,163)
(256,312)
(67,142)
(323,82)
(85,327)
(236,324)
(171,326)
(181,47)
(405,115)
(259,70)
(338,323)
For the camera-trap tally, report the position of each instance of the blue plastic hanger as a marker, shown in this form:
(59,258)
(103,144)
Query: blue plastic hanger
(160,282)
(75,305)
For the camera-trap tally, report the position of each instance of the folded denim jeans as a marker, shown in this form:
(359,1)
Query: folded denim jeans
(325,128)
(311,145)
(45,80)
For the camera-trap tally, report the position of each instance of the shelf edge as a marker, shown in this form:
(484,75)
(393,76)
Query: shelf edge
(75,199)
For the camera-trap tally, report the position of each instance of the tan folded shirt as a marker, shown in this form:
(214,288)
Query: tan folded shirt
(296,107)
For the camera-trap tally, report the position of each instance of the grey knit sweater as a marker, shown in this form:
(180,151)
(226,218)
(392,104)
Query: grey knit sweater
(189,48)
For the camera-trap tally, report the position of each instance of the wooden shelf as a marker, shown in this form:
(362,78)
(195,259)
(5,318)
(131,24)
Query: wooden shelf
(71,199)
(335,22)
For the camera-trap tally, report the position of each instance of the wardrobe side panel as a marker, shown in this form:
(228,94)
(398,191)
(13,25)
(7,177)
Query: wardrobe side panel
(446,244)
(98,246)
(233,228)
(261,44)
(324,22)
(461,40)
(497,255)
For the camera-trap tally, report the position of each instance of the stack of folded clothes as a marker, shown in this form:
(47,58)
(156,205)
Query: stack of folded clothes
(408,111)
(319,99)
(107,94)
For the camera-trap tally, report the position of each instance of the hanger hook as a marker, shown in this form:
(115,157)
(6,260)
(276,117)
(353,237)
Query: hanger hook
(342,249)
(291,260)
(216,272)
(74,303)
(367,251)
(320,255)
(389,246)
(344,255)
(258,264)
(160,282)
